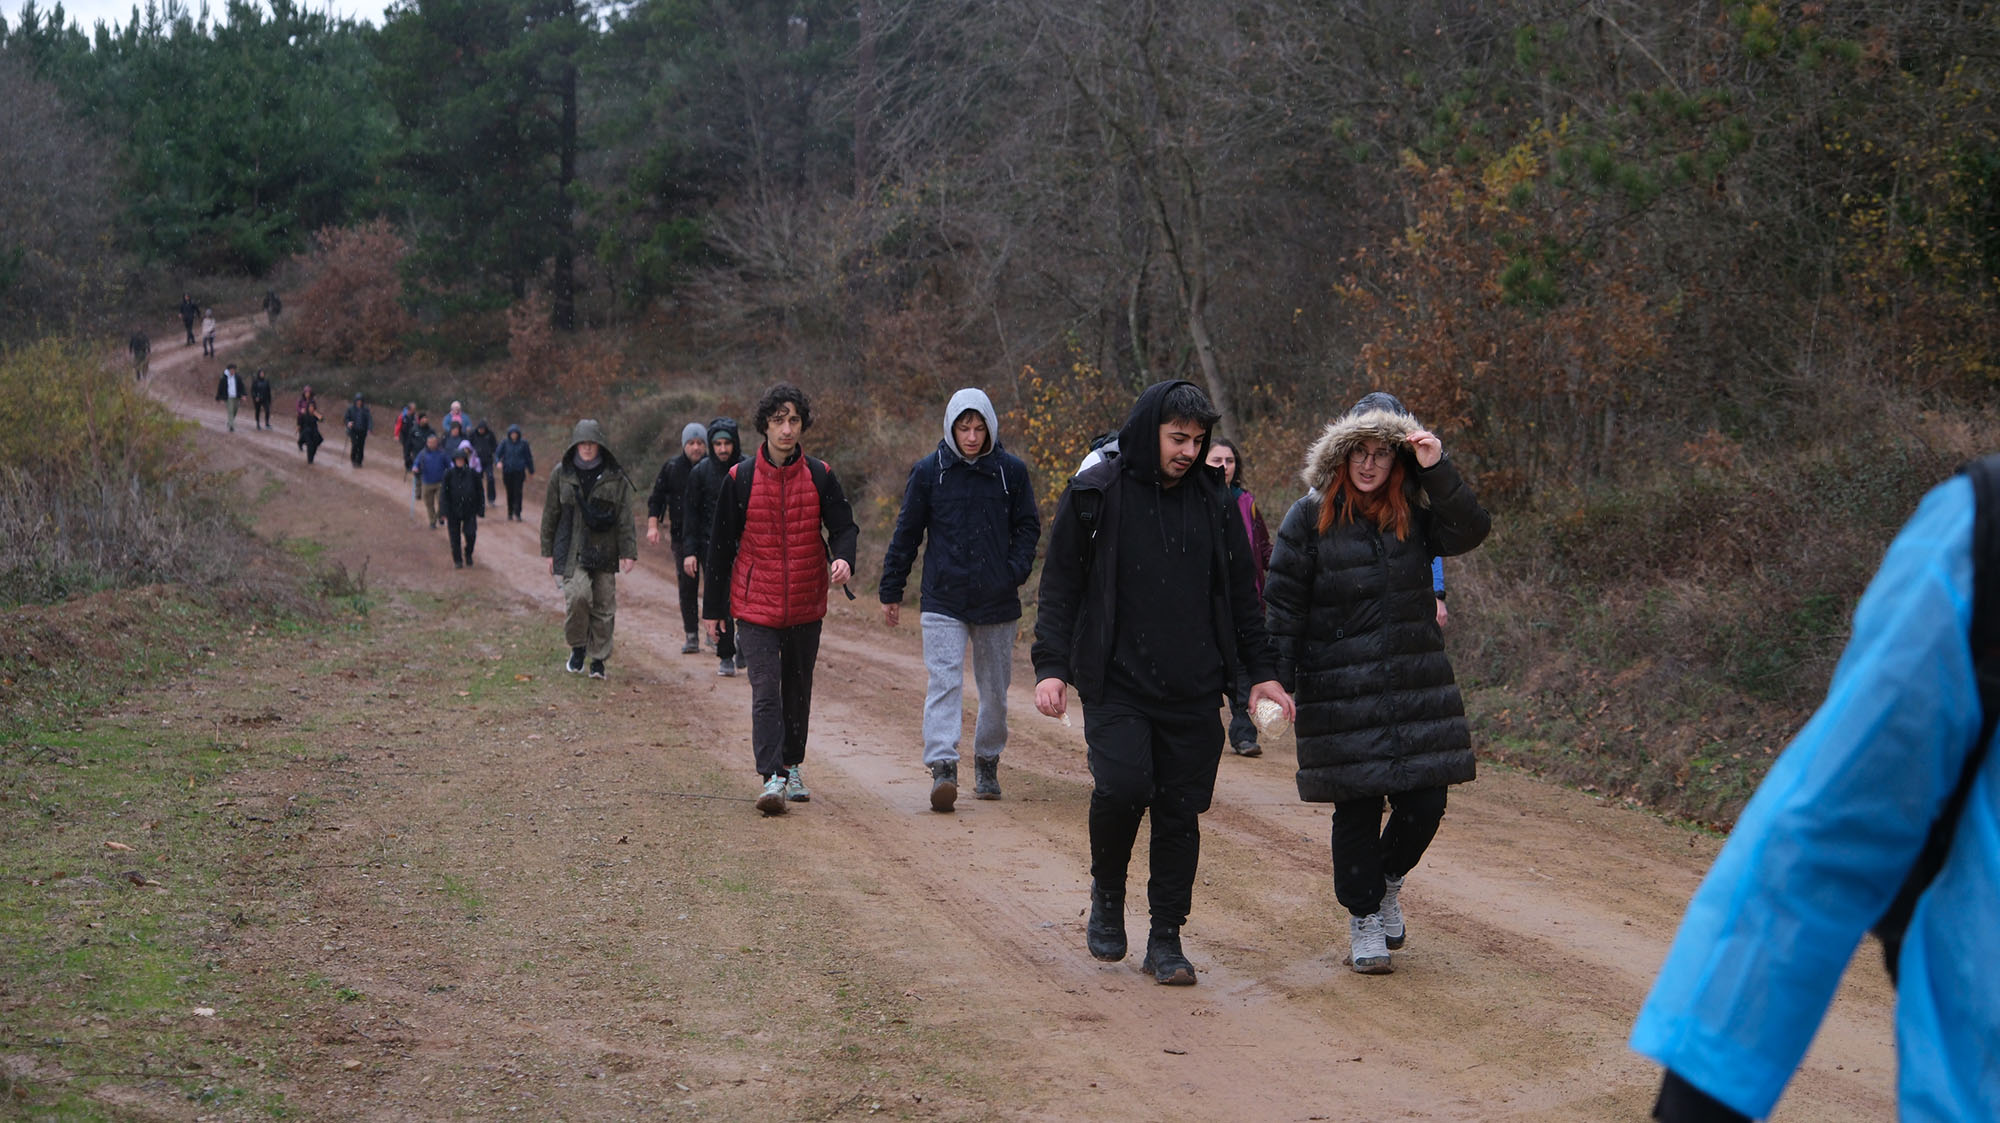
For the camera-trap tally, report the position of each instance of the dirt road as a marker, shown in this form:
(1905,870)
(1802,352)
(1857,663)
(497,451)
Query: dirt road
(1537,920)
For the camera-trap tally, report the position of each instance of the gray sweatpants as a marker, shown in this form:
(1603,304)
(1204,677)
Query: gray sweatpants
(946,640)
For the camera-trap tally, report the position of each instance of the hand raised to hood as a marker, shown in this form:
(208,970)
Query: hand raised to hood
(1428,449)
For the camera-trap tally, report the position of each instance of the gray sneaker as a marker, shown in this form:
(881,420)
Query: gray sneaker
(986,777)
(795,787)
(726,668)
(1367,952)
(1391,912)
(771,801)
(944,785)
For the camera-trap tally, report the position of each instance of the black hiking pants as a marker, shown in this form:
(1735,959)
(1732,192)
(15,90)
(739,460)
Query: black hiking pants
(513,480)
(359,442)
(1365,851)
(780,662)
(1150,756)
(467,526)
(260,414)
(690,586)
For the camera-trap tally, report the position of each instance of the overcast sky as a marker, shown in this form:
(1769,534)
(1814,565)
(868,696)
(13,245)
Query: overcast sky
(86,13)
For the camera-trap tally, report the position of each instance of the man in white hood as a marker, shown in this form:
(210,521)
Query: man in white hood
(974,501)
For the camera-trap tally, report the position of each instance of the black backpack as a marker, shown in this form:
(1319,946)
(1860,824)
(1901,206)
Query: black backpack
(1985,638)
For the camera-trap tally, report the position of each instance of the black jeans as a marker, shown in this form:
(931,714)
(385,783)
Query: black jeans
(781,664)
(513,480)
(359,442)
(469,527)
(1148,756)
(690,586)
(1364,851)
(1242,729)
(261,414)
(725,635)
(489,482)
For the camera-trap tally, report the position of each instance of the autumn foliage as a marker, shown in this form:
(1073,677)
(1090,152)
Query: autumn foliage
(351,310)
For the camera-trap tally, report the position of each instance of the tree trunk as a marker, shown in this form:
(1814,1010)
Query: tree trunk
(562,286)
(864,102)
(1187,247)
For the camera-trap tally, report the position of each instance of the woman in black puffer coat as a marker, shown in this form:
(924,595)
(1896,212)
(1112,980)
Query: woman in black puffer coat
(1350,608)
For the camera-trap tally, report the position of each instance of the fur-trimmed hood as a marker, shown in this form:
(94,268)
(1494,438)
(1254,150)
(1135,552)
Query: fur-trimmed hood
(1379,417)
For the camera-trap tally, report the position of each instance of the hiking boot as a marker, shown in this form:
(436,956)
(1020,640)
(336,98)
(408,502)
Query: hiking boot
(597,668)
(727,668)
(944,785)
(1368,952)
(693,644)
(1247,747)
(1391,913)
(1164,960)
(1104,932)
(771,801)
(575,664)
(986,777)
(795,785)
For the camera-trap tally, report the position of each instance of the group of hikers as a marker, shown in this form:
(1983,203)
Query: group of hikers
(452,468)
(1163,595)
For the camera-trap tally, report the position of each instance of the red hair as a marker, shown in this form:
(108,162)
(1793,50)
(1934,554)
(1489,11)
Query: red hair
(1387,506)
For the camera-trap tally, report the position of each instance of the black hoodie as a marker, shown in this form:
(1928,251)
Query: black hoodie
(1166,620)
(704,488)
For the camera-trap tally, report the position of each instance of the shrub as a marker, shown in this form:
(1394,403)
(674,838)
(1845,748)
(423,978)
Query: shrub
(351,311)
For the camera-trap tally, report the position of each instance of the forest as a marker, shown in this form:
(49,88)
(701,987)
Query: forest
(1701,296)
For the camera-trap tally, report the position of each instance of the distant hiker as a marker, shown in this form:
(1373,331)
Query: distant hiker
(1148,602)
(418,435)
(1350,607)
(769,569)
(453,434)
(970,505)
(455,416)
(665,501)
(463,501)
(517,463)
(141,346)
(260,399)
(190,312)
(229,390)
(272,305)
(428,470)
(309,419)
(704,488)
(588,537)
(208,332)
(360,422)
(1883,813)
(485,442)
(406,420)
(1223,454)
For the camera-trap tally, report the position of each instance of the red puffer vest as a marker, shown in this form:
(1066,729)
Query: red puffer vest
(780,579)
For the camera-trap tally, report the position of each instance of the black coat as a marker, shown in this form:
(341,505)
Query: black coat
(982,526)
(463,494)
(704,490)
(667,500)
(1355,623)
(486,443)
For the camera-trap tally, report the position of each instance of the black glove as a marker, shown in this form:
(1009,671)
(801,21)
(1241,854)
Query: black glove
(1682,1102)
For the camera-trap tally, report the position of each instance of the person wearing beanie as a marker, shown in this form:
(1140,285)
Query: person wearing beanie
(1350,605)
(588,537)
(971,507)
(359,424)
(517,463)
(669,490)
(464,501)
(704,486)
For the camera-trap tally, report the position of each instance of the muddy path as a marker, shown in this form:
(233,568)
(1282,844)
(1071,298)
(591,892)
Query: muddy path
(1537,920)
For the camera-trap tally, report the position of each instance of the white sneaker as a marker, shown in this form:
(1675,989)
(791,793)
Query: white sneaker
(1367,953)
(772,800)
(1391,912)
(795,788)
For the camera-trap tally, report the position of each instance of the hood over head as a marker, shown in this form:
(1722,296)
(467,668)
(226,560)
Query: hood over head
(694,431)
(1378,416)
(725,427)
(463,452)
(589,430)
(513,430)
(971,398)
(1139,437)
(481,424)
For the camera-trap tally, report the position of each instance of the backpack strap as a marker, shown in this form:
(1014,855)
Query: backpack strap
(1984,474)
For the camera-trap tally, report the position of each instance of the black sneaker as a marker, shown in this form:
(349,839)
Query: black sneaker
(1247,747)
(693,644)
(944,785)
(575,664)
(742,660)
(986,777)
(1104,934)
(1164,960)
(597,668)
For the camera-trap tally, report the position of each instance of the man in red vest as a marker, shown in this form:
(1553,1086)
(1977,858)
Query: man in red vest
(783,536)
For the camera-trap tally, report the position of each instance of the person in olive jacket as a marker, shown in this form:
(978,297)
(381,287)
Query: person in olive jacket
(1349,604)
(972,501)
(588,537)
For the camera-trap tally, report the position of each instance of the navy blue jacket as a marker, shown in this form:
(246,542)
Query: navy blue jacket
(981,519)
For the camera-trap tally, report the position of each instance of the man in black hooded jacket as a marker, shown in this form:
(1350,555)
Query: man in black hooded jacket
(1148,604)
(704,489)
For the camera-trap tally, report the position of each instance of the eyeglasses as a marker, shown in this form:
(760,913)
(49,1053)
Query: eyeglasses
(1381,457)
